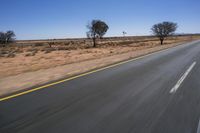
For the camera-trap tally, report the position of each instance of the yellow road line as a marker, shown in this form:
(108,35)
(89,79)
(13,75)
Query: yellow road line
(81,75)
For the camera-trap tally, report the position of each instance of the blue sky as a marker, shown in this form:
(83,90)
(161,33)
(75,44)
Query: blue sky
(41,19)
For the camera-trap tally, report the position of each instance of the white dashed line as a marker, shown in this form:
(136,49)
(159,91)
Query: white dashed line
(175,88)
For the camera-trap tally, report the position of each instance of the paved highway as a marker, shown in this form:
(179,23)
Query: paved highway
(159,93)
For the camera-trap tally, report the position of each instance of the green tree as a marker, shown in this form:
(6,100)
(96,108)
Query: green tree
(97,29)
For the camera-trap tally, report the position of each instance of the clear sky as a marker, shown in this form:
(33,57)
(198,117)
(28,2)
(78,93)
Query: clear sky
(43,19)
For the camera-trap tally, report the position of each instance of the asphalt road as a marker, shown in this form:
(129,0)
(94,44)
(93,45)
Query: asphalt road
(156,94)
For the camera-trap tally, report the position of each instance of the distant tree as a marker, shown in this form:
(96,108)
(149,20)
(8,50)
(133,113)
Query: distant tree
(163,30)
(7,37)
(2,38)
(10,36)
(97,29)
(124,33)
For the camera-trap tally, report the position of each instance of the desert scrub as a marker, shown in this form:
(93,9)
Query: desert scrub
(11,55)
(62,48)
(49,50)
(30,54)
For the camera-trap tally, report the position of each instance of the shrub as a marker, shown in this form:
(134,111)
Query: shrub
(11,55)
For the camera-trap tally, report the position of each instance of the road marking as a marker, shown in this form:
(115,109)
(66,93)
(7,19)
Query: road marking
(175,88)
(81,75)
(198,129)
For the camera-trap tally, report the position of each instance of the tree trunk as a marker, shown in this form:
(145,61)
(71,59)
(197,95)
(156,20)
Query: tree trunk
(161,41)
(94,42)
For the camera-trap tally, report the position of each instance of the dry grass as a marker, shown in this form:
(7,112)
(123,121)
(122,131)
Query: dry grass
(39,55)
(23,67)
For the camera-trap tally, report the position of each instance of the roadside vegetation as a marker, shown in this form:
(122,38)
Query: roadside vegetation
(23,56)
(96,30)
(28,63)
(26,56)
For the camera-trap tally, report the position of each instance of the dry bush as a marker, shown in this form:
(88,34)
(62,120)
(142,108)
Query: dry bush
(1,55)
(51,44)
(66,43)
(125,43)
(32,49)
(39,44)
(18,50)
(3,52)
(49,50)
(62,48)
(11,55)
(8,52)
(30,54)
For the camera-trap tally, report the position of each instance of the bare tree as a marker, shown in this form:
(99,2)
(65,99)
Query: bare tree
(7,37)
(97,29)
(10,36)
(163,30)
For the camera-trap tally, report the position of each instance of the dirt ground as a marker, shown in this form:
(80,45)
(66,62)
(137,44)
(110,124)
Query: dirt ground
(29,66)
(27,59)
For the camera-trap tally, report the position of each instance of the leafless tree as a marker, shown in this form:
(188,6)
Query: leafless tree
(97,29)
(163,30)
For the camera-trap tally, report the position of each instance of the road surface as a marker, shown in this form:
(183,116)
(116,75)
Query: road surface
(159,93)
